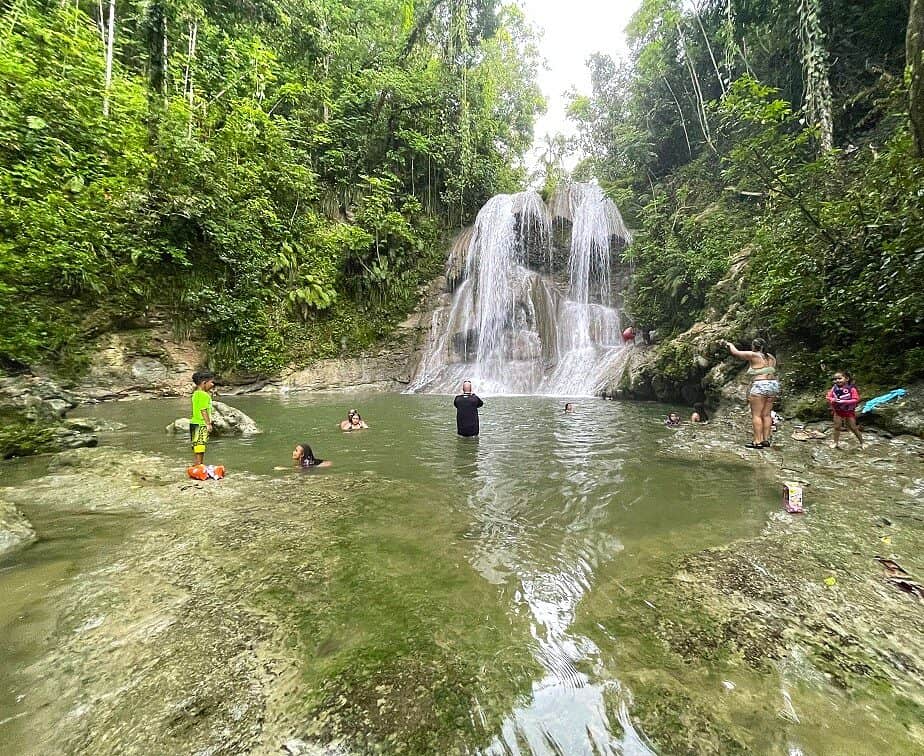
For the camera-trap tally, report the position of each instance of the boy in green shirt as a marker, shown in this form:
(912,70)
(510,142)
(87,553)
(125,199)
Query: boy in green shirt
(200,423)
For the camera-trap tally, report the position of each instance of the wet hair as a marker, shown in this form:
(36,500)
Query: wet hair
(202,375)
(567,404)
(759,345)
(847,375)
(307,454)
(700,409)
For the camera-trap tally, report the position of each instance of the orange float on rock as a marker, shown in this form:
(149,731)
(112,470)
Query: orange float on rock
(206,472)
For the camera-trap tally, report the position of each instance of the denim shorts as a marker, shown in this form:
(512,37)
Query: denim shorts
(768,387)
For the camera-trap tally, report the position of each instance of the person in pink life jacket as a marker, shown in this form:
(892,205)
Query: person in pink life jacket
(844,398)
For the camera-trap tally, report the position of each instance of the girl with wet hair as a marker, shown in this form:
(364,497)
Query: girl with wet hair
(699,413)
(304,457)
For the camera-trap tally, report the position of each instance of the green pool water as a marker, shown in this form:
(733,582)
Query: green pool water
(517,545)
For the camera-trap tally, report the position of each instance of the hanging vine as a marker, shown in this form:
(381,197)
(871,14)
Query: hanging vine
(817,99)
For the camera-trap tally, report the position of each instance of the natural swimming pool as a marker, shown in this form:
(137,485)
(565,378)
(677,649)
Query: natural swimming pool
(499,567)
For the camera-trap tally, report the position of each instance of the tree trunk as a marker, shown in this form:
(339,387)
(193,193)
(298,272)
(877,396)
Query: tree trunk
(188,75)
(683,121)
(165,61)
(697,91)
(715,65)
(110,44)
(914,55)
(101,22)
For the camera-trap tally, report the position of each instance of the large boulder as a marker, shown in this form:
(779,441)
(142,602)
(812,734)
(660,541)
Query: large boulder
(226,421)
(15,529)
(905,415)
(689,368)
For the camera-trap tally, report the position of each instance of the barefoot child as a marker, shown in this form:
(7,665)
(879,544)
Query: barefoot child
(843,398)
(200,423)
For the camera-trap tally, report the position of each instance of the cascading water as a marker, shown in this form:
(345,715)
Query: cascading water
(518,323)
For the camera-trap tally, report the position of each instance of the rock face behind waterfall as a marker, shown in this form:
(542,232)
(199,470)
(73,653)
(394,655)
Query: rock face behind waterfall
(226,420)
(532,298)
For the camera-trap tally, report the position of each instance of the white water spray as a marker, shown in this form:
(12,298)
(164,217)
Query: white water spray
(515,330)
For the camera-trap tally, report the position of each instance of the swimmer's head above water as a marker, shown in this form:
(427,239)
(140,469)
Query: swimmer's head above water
(302,452)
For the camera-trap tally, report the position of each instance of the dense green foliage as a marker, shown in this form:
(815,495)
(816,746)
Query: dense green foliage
(277,178)
(702,138)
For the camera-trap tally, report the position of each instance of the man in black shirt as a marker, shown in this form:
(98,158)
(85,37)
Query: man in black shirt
(467,405)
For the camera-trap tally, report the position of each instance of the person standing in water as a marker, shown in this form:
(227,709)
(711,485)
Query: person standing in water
(200,422)
(467,405)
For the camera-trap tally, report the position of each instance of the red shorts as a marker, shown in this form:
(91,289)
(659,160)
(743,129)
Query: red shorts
(844,412)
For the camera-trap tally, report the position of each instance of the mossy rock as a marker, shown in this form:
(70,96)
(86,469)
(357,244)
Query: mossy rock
(22,439)
(807,407)
(905,415)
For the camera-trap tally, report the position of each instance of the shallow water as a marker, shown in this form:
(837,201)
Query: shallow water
(556,516)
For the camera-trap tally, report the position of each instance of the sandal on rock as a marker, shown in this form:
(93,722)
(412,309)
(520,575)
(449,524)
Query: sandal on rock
(752,445)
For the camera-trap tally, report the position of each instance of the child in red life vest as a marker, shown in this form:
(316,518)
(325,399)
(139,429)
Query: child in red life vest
(844,398)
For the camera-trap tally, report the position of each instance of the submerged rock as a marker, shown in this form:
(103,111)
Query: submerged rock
(92,424)
(218,616)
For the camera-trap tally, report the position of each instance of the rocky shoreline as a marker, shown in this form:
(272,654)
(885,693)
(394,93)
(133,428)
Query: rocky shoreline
(806,599)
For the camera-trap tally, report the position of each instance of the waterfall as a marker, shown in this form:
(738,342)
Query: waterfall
(524,318)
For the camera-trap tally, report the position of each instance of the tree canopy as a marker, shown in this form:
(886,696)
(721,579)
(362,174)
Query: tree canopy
(256,172)
(775,133)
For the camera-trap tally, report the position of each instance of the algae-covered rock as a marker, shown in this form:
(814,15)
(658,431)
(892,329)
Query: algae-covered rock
(250,614)
(23,439)
(807,406)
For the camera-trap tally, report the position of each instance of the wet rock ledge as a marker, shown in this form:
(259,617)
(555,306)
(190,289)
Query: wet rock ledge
(15,529)
(805,602)
(210,621)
